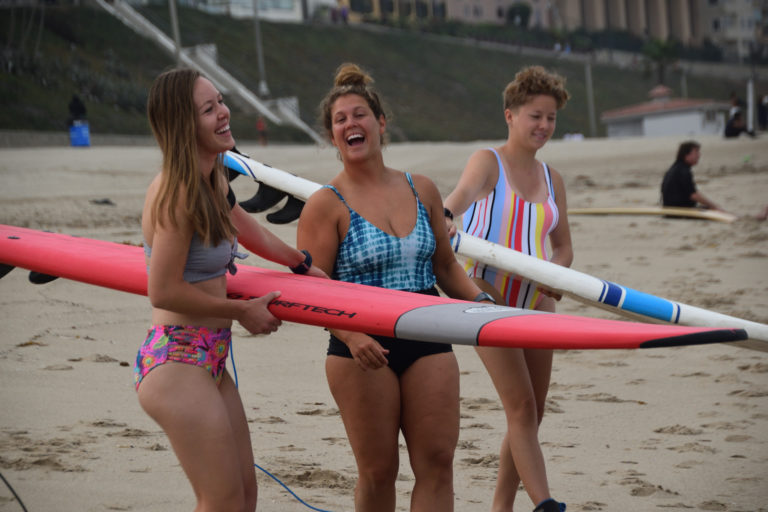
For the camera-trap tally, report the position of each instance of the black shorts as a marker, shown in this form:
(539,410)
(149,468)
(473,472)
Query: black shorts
(402,353)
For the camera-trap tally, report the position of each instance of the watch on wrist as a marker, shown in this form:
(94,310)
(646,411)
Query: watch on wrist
(303,267)
(484,296)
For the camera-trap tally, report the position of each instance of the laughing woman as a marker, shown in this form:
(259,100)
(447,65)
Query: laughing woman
(191,225)
(379,226)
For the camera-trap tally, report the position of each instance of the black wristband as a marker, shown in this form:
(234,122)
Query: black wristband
(484,296)
(303,267)
(448,213)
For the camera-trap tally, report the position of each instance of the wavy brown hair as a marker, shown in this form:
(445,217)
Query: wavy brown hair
(534,81)
(350,79)
(173,117)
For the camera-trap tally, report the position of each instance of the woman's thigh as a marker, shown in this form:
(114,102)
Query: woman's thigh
(186,402)
(430,405)
(369,403)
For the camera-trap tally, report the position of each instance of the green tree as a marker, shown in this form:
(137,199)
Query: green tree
(661,54)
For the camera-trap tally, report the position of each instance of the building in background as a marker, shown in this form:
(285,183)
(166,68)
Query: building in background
(295,11)
(664,115)
(738,27)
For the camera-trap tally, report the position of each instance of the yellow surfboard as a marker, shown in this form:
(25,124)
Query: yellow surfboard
(666,211)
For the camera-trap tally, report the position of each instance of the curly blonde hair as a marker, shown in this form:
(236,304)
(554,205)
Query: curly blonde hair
(534,81)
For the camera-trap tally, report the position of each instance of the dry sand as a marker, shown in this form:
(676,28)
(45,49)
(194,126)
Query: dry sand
(661,429)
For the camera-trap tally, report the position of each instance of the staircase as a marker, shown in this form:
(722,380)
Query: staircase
(203,58)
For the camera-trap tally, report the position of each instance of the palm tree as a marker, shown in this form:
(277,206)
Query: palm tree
(661,54)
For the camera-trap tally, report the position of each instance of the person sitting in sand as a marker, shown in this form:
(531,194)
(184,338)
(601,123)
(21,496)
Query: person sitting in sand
(736,126)
(678,188)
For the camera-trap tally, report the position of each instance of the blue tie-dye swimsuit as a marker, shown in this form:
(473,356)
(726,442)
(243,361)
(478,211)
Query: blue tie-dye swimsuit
(368,255)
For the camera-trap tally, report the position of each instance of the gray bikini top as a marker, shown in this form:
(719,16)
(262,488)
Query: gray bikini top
(204,261)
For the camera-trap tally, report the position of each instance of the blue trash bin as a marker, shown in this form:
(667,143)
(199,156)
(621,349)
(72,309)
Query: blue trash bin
(79,134)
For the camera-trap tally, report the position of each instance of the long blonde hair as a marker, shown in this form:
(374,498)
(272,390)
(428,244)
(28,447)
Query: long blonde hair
(173,118)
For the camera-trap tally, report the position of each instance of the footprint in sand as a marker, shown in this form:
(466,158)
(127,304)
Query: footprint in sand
(692,447)
(737,439)
(712,505)
(291,448)
(689,464)
(323,478)
(319,412)
(749,393)
(605,397)
(480,404)
(729,425)
(755,368)
(643,488)
(269,420)
(488,461)
(680,430)
(483,426)
(334,440)
(466,445)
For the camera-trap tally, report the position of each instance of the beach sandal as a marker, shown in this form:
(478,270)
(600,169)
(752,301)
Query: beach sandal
(550,505)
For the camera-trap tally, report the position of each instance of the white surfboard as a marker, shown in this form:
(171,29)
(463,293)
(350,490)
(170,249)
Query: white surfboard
(578,285)
(598,292)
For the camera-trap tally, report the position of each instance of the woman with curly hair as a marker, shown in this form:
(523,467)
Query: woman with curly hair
(506,195)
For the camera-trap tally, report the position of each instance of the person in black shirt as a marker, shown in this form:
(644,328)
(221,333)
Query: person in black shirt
(736,126)
(678,188)
(77,111)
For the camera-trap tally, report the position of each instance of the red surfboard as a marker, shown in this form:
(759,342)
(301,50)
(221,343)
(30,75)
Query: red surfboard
(335,304)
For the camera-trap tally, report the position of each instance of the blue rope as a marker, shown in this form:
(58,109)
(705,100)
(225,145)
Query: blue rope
(290,491)
(273,477)
(21,503)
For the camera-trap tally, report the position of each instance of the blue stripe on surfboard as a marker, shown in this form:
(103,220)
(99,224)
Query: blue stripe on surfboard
(456,240)
(237,164)
(638,302)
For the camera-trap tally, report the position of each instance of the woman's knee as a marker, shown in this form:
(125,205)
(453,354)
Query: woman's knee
(523,411)
(378,474)
(434,460)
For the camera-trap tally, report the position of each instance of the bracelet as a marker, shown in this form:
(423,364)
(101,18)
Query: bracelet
(448,213)
(484,296)
(303,267)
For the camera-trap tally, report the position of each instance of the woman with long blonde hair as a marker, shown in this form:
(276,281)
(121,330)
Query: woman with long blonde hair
(192,225)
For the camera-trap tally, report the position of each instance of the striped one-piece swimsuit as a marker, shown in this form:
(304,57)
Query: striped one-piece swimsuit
(506,219)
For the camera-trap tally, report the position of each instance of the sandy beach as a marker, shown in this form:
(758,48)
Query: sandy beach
(659,429)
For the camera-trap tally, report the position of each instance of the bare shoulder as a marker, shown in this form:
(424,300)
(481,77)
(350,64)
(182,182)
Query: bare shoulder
(557,178)
(425,187)
(483,159)
(323,201)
